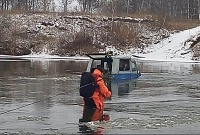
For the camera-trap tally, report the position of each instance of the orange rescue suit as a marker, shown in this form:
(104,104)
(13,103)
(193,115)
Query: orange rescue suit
(101,92)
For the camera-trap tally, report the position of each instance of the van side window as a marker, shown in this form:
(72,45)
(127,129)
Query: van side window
(124,65)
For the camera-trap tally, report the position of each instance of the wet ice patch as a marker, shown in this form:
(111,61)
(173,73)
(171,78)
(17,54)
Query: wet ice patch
(93,127)
(31,118)
(187,116)
(45,78)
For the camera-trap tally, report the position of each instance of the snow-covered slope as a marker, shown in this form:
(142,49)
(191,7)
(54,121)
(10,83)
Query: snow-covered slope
(174,48)
(56,27)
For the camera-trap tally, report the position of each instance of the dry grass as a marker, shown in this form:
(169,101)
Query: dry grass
(120,35)
(182,24)
(123,34)
(165,22)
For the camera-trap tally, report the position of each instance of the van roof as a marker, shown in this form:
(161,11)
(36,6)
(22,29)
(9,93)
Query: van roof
(103,55)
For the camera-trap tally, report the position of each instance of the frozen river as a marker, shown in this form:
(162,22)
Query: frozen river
(42,97)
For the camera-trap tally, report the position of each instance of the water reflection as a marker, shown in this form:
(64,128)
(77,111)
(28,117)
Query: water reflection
(164,89)
(120,87)
(168,67)
(92,115)
(84,129)
(40,68)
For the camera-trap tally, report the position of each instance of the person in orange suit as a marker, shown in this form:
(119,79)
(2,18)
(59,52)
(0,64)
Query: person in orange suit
(94,106)
(101,92)
(93,114)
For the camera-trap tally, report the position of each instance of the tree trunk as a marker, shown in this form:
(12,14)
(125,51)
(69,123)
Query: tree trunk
(199,8)
(65,2)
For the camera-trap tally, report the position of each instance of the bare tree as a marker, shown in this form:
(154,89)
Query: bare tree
(65,3)
(198,8)
(189,9)
(5,4)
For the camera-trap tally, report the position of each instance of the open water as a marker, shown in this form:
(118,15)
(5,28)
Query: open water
(42,97)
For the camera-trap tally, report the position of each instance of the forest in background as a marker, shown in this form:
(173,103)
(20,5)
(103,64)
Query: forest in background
(181,9)
(35,25)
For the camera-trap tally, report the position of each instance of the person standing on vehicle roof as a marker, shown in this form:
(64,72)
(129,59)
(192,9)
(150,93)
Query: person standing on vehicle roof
(101,92)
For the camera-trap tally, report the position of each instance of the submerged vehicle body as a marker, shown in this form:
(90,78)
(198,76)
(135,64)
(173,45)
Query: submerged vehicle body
(121,87)
(115,67)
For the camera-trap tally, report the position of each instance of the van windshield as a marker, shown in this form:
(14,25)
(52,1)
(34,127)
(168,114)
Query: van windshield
(106,64)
